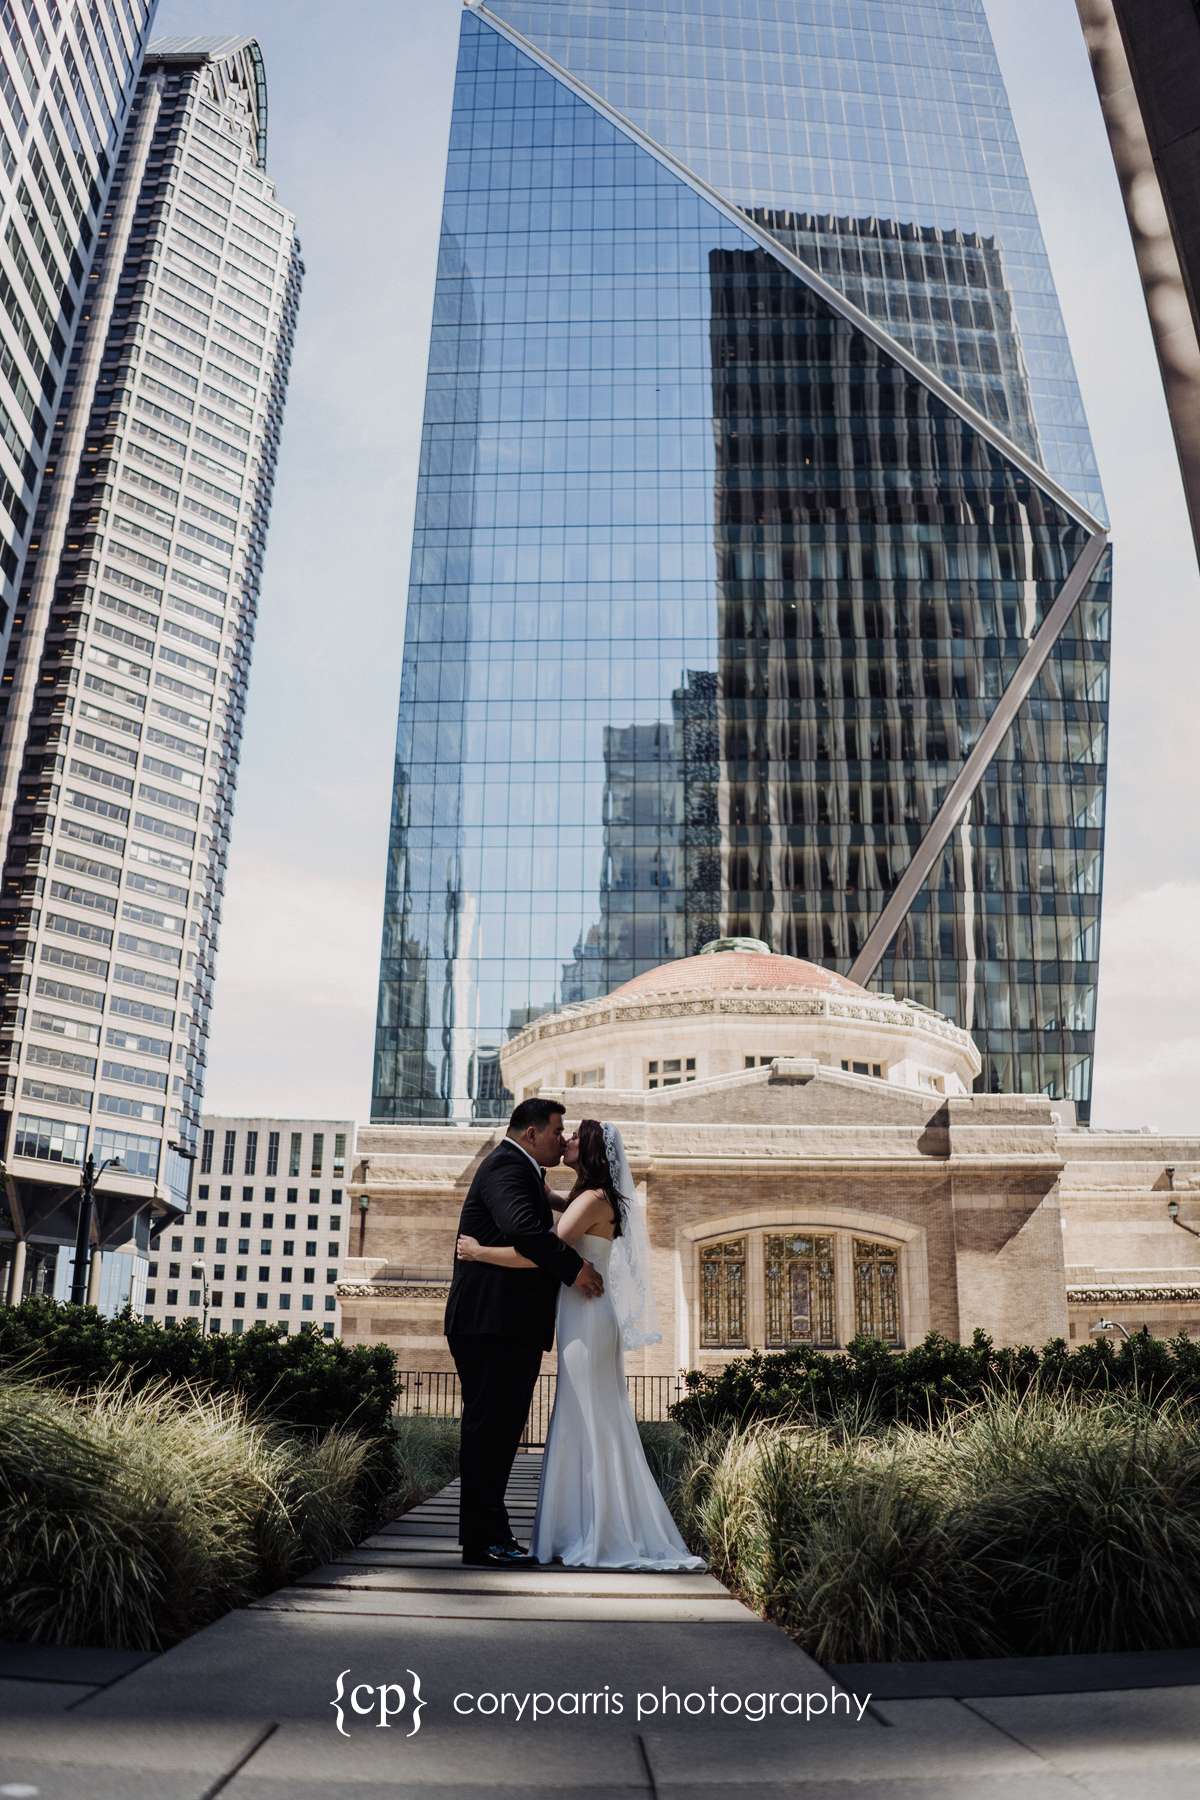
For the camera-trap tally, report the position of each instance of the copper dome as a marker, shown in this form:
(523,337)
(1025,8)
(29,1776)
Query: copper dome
(728,970)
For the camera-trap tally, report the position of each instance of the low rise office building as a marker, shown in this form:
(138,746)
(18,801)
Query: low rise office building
(267,1230)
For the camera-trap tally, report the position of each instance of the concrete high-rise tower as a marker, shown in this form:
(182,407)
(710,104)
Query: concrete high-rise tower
(67,78)
(760,584)
(124,686)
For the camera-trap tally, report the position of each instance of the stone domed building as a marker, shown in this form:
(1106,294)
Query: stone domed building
(733,1009)
(815,1164)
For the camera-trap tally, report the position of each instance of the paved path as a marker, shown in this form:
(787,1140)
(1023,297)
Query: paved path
(243,1709)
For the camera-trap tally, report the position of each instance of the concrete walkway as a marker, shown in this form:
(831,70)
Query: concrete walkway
(245,1708)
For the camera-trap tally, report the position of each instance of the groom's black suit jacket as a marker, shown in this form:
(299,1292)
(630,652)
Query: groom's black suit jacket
(506,1204)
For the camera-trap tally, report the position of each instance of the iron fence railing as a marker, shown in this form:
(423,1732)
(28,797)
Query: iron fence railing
(436,1393)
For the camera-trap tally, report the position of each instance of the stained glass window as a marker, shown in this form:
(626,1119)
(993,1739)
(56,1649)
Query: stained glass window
(876,1285)
(723,1295)
(801,1291)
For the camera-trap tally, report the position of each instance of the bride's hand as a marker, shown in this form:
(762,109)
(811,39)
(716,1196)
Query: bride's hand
(468,1248)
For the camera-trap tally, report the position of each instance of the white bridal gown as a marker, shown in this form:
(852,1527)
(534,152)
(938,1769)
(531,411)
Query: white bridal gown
(598,1505)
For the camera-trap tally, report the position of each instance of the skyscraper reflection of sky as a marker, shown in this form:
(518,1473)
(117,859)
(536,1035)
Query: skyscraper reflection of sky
(713,593)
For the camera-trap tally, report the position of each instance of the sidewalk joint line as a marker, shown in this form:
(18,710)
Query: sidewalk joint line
(645,1756)
(1055,1768)
(837,1682)
(223,1781)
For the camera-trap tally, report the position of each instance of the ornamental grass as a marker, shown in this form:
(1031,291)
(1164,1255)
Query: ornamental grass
(130,1516)
(425,1459)
(1015,1525)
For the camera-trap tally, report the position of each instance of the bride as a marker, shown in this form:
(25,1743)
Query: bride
(598,1504)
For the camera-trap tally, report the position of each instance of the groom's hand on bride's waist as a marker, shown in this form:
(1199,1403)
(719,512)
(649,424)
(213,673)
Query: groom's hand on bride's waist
(589,1282)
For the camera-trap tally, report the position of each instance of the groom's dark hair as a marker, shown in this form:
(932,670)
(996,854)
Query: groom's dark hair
(534,1112)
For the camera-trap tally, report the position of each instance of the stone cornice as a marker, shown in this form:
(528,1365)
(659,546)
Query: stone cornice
(393,1290)
(1169,1293)
(741,1003)
(822,1162)
(395,1175)
(1112,1191)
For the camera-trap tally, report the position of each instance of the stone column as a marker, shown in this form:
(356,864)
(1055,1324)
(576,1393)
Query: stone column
(1005,1164)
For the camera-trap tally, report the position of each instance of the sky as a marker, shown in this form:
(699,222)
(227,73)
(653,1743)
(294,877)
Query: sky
(359,110)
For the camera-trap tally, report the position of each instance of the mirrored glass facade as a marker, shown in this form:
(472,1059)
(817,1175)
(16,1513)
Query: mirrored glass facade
(712,595)
(888,117)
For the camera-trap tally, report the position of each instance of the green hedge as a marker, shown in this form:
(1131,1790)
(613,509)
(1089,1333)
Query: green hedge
(303,1381)
(921,1385)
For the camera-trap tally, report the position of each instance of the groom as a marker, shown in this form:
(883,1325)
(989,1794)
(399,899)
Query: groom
(499,1321)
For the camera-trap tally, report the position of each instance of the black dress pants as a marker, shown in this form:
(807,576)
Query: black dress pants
(497,1376)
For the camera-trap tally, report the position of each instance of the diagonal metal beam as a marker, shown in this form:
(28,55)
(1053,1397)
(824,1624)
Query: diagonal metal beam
(972,772)
(954,805)
(832,296)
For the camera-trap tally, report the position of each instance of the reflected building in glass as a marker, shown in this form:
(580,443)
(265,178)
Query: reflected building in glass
(760,585)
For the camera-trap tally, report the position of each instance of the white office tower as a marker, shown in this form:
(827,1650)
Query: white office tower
(67,77)
(124,688)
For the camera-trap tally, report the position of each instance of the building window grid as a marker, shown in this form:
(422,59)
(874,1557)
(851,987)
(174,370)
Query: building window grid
(671,1071)
(645,928)
(143,1153)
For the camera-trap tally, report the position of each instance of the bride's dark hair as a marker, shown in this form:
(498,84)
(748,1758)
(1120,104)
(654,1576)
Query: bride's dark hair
(594,1172)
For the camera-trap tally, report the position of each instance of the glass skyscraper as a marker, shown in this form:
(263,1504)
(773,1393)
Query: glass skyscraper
(760,584)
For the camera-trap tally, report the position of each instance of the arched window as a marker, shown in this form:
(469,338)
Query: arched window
(772,1289)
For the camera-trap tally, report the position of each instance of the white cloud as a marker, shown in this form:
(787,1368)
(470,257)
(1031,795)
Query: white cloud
(295,1008)
(1148,1042)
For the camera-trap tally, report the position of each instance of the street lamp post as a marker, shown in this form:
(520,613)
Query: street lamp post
(1102,1326)
(87,1212)
(203,1272)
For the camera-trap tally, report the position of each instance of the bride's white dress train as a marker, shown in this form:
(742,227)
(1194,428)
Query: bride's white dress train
(598,1504)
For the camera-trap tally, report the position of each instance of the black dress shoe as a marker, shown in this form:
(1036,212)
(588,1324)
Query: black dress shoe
(500,1556)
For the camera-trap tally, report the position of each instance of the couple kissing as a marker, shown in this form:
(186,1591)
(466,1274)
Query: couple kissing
(528,1261)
